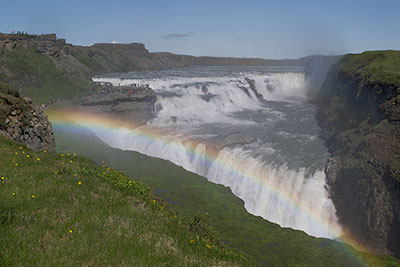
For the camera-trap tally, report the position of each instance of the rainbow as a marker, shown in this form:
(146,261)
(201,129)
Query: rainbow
(72,118)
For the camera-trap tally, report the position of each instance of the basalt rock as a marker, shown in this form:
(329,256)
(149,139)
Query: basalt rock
(136,108)
(24,122)
(359,111)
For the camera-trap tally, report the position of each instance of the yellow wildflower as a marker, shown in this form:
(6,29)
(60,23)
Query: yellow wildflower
(67,154)
(154,201)
(38,159)
(191,241)
(208,246)
(20,147)
(13,194)
(62,155)
(70,161)
(27,156)
(16,153)
(16,164)
(2,177)
(33,196)
(79,182)
(70,230)
(45,151)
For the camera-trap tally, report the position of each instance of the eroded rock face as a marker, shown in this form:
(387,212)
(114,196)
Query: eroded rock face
(25,123)
(359,122)
(136,108)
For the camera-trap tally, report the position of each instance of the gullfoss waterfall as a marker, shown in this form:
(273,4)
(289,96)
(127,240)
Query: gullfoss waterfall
(249,129)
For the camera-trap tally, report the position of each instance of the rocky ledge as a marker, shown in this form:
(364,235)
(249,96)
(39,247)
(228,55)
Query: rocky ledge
(24,122)
(135,107)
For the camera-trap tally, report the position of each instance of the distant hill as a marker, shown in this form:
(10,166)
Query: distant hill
(45,68)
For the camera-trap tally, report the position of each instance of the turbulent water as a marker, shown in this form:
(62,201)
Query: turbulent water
(274,163)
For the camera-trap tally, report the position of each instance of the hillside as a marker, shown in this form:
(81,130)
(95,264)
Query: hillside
(65,210)
(360,115)
(46,68)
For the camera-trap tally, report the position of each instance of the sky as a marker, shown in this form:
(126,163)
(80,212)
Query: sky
(264,29)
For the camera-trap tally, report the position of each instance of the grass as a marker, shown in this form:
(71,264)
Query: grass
(374,67)
(39,78)
(61,209)
(192,195)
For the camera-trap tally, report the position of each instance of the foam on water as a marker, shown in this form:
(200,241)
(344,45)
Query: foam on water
(195,108)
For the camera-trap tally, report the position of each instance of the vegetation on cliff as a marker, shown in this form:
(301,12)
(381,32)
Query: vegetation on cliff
(61,209)
(360,115)
(374,67)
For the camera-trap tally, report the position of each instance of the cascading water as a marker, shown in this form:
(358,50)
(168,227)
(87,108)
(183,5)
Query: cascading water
(269,153)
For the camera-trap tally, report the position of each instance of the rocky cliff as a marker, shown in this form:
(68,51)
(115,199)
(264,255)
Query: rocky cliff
(23,121)
(359,111)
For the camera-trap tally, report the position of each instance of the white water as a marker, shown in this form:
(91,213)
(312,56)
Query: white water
(278,176)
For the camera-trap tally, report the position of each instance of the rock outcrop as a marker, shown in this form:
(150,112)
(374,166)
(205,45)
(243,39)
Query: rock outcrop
(24,122)
(131,108)
(359,114)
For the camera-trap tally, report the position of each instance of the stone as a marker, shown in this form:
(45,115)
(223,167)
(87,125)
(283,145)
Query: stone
(28,100)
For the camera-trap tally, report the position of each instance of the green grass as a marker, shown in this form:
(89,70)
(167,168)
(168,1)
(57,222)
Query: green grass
(39,78)
(379,67)
(192,195)
(64,210)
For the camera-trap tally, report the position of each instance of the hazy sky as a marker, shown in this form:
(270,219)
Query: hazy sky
(269,29)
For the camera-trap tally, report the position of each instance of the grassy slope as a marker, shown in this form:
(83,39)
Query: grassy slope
(380,67)
(39,77)
(191,195)
(65,210)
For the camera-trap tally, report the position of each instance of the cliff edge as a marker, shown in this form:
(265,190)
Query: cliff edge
(359,112)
